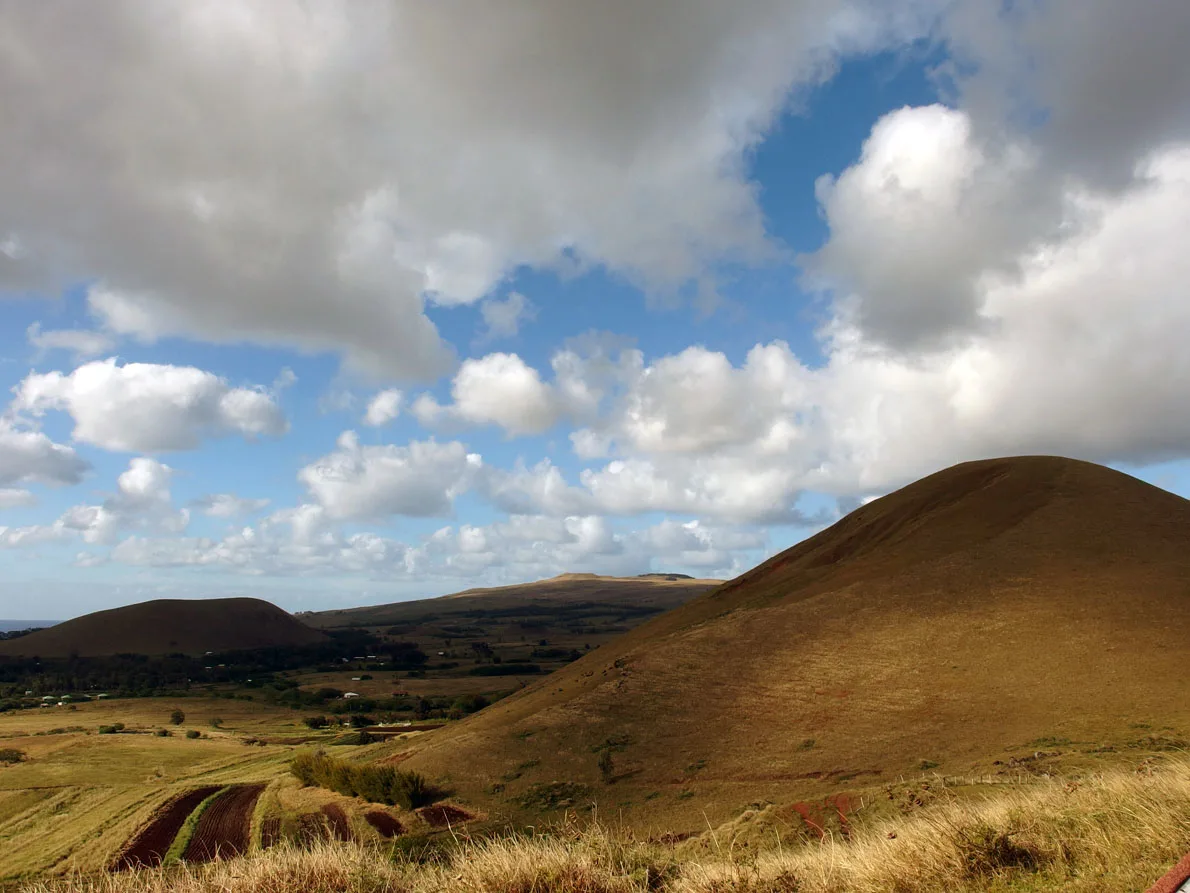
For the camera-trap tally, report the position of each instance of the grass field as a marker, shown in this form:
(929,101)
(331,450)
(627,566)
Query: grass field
(1116,831)
(78,795)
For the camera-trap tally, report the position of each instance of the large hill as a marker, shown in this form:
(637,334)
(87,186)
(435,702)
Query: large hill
(168,626)
(961,622)
(567,592)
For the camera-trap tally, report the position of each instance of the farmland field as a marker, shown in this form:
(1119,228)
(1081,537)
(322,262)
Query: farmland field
(84,800)
(223,830)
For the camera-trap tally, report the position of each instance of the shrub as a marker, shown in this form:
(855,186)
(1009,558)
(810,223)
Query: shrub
(177,717)
(377,784)
(163,733)
(317,722)
(112,729)
(607,767)
(193,733)
(10,755)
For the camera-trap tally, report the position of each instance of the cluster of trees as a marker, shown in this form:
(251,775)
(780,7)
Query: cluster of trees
(17,633)
(377,784)
(138,675)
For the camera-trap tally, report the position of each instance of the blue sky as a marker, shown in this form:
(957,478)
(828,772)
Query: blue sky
(668,293)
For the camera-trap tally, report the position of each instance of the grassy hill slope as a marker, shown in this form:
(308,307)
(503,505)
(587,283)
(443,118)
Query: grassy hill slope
(167,626)
(963,622)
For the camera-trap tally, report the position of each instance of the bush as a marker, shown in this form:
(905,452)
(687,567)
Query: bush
(177,717)
(10,755)
(377,784)
(112,729)
(163,733)
(193,733)
(317,722)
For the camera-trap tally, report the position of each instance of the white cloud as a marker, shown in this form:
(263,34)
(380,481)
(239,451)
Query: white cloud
(28,457)
(920,222)
(503,319)
(383,407)
(142,407)
(420,479)
(285,379)
(142,500)
(81,343)
(11,498)
(1079,351)
(228,505)
(498,389)
(304,175)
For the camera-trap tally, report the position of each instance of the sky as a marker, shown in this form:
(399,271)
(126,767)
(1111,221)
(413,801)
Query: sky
(346,302)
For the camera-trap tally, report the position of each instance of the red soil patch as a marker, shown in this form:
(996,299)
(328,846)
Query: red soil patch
(337,820)
(312,827)
(1177,876)
(444,815)
(832,810)
(384,823)
(149,846)
(225,824)
(270,832)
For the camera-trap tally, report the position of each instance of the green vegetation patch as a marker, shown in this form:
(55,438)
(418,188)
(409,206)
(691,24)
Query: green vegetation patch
(376,784)
(10,755)
(554,795)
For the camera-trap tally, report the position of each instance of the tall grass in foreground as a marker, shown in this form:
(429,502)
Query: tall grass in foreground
(1115,833)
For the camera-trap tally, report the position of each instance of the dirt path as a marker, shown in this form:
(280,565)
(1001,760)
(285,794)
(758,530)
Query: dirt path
(384,823)
(337,819)
(149,846)
(224,827)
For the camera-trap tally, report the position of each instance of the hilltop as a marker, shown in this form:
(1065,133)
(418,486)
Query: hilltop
(168,626)
(958,624)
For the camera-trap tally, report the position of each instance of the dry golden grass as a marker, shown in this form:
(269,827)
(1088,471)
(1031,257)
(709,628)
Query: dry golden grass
(1118,832)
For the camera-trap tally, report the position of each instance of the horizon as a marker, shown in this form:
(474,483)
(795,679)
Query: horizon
(670,294)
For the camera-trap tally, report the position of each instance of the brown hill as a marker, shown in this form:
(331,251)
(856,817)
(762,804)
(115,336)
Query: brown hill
(168,626)
(966,620)
(662,592)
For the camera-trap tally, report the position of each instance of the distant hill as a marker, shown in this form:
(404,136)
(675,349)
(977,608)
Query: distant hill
(981,614)
(659,591)
(167,626)
(8,626)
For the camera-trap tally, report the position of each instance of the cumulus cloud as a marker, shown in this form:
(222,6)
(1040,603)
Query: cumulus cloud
(920,222)
(503,319)
(383,407)
(498,389)
(308,176)
(228,505)
(28,457)
(304,541)
(141,500)
(143,407)
(420,479)
(1098,84)
(1078,352)
(11,498)
(81,343)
